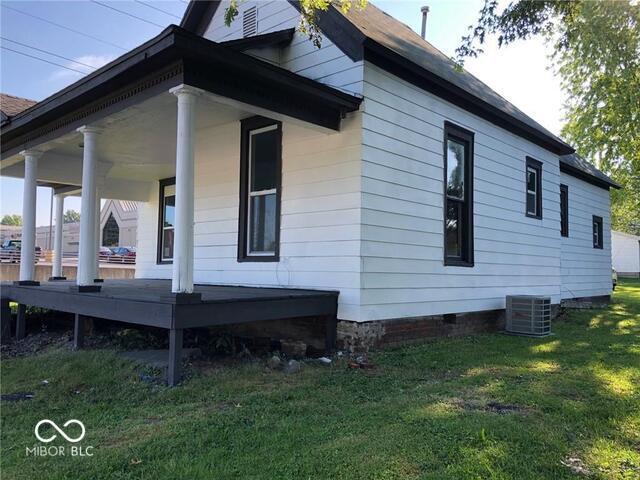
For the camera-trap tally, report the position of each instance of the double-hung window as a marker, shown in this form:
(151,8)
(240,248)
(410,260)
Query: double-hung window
(458,196)
(534,188)
(260,177)
(166,220)
(564,210)
(597,232)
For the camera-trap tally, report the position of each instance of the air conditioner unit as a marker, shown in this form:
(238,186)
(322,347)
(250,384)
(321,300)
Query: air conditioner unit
(528,315)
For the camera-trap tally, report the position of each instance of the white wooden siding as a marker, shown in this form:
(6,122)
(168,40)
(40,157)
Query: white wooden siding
(586,271)
(625,252)
(320,222)
(402,209)
(328,65)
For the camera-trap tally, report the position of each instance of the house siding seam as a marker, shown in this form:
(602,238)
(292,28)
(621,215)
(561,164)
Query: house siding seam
(586,271)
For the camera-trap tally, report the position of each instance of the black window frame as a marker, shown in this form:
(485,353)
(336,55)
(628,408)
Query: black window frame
(535,165)
(462,135)
(165,182)
(597,222)
(564,210)
(248,125)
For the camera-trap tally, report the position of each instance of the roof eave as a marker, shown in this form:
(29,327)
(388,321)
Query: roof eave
(593,180)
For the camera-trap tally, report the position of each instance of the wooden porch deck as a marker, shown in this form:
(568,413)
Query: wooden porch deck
(151,303)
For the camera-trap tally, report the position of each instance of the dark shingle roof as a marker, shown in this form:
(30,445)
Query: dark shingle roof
(574,164)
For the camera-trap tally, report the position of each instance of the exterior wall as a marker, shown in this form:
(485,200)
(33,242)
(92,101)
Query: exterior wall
(327,65)
(625,253)
(402,218)
(320,214)
(586,271)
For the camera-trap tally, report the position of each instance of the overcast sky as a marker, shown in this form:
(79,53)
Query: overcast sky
(519,72)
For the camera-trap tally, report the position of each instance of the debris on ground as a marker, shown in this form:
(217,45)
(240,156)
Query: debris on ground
(16,397)
(361,361)
(274,362)
(576,465)
(503,408)
(293,348)
(324,361)
(292,367)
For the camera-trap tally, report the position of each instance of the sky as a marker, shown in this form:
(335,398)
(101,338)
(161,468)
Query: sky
(518,72)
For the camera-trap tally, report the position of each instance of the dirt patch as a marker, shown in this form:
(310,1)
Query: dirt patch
(35,343)
(577,466)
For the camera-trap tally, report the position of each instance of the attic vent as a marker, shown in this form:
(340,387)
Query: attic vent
(528,315)
(250,22)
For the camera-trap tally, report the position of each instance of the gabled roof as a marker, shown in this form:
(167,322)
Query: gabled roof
(374,35)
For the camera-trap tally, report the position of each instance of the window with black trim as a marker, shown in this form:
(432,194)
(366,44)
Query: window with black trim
(597,232)
(166,219)
(564,210)
(534,188)
(260,180)
(458,196)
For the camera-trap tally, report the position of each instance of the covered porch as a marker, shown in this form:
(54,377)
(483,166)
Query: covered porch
(120,131)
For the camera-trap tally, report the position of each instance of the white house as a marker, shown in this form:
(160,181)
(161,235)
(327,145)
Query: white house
(371,166)
(625,254)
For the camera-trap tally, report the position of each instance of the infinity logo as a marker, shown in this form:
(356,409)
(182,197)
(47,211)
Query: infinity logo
(53,437)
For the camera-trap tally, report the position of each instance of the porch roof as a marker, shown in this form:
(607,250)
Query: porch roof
(176,56)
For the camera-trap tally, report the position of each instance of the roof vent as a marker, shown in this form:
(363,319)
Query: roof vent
(250,22)
(425,12)
(528,315)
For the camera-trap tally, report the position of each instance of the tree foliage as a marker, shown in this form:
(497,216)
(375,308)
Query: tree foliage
(11,220)
(71,216)
(309,10)
(596,52)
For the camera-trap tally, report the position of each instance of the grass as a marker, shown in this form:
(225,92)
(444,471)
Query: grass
(482,407)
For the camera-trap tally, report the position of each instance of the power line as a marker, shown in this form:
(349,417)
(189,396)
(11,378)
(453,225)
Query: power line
(48,53)
(157,8)
(64,27)
(42,60)
(127,14)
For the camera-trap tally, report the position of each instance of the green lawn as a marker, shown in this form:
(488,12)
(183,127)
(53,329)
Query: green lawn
(483,407)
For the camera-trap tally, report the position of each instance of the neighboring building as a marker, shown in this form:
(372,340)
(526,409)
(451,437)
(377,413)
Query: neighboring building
(10,106)
(372,166)
(625,253)
(118,223)
(118,228)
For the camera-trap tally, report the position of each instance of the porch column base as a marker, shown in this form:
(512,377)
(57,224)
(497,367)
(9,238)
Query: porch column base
(55,279)
(85,288)
(27,283)
(175,356)
(21,322)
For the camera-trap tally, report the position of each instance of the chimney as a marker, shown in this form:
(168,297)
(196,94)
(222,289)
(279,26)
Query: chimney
(425,11)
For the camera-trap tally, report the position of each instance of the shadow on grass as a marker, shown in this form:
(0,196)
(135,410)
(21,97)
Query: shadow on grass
(489,406)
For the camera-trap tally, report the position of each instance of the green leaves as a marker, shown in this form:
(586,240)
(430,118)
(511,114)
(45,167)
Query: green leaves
(596,52)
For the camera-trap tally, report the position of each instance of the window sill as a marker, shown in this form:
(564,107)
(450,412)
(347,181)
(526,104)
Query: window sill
(536,217)
(164,262)
(259,259)
(452,262)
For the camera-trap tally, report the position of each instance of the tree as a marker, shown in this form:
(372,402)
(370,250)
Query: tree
(11,220)
(309,10)
(71,216)
(596,53)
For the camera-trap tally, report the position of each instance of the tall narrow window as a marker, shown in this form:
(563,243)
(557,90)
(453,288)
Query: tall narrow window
(564,210)
(534,188)
(260,176)
(458,196)
(110,232)
(166,219)
(597,232)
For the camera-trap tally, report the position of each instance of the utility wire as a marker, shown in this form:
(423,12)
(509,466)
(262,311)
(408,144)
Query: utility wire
(42,60)
(63,27)
(48,53)
(157,8)
(127,13)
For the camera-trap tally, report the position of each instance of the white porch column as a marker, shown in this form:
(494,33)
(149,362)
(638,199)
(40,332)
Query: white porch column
(86,260)
(57,238)
(97,234)
(183,240)
(28,244)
